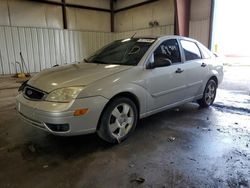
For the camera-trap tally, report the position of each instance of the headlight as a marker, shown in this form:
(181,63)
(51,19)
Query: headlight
(64,94)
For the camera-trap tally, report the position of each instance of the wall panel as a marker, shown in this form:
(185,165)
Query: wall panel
(157,31)
(66,43)
(10,49)
(52,48)
(4,15)
(3,52)
(62,47)
(200,20)
(199,30)
(30,59)
(88,20)
(17,47)
(57,47)
(36,59)
(23,45)
(46,48)
(24,13)
(42,48)
(161,11)
(126,3)
(54,16)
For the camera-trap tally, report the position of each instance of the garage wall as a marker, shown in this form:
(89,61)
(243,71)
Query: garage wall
(162,30)
(30,14)
(91,20)
(36,30)
(138,18)
(33,14)
(42,48)
(200,20)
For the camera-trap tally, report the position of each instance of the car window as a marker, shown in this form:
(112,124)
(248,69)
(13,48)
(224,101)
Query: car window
(191,50)
(206,53)
(169,49)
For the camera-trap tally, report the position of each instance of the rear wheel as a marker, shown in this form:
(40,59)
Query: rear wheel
(209,94)
(118,120)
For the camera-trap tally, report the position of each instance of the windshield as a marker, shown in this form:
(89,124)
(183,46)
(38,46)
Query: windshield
(122,52)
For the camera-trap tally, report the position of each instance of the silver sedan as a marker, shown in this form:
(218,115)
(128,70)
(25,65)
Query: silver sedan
(124,81)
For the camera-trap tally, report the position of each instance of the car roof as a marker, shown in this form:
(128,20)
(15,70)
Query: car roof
(164,37)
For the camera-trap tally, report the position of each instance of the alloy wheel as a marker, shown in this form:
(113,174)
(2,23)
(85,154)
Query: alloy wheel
(210,93)
(121,120)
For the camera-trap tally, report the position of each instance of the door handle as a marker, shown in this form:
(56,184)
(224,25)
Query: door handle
(179,70)
(203,65)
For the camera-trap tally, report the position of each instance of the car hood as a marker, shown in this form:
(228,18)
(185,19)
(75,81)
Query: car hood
(81,74)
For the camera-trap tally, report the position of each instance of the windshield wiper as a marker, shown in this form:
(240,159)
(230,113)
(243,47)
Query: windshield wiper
(95,61)
(99,62)
(86,61)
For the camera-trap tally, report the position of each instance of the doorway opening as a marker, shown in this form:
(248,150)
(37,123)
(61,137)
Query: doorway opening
(231,29)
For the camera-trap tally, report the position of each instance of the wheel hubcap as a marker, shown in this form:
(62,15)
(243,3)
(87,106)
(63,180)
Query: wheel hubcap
(121,120)
(210,93)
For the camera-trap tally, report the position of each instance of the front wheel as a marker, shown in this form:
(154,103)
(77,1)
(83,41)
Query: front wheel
(118,120)
(209,94)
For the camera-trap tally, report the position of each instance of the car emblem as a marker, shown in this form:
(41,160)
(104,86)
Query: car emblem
(29,92)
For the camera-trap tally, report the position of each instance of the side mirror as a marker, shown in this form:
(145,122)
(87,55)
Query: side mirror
(161,62)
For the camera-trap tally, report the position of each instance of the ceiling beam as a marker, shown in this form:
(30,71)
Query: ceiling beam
(64,14)
(135,5)
(71,5)
(87,7)
(112,16)
(47,2)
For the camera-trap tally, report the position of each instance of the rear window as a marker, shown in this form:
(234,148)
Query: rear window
(191,50)
(207,54)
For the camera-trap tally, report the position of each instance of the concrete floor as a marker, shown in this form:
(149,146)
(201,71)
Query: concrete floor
(183,147)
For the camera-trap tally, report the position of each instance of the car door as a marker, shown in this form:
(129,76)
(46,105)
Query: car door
(196,69)
(165,84)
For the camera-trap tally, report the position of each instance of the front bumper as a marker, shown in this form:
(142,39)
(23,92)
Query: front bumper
(44,114)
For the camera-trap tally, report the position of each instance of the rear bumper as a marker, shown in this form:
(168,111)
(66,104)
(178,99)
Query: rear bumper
(43,114)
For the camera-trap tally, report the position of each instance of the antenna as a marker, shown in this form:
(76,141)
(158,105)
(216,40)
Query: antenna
(133,35)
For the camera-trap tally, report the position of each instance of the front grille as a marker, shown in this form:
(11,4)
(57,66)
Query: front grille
(33,93)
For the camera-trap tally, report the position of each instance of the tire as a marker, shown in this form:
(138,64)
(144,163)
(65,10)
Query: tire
(209,94)
(118,120)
